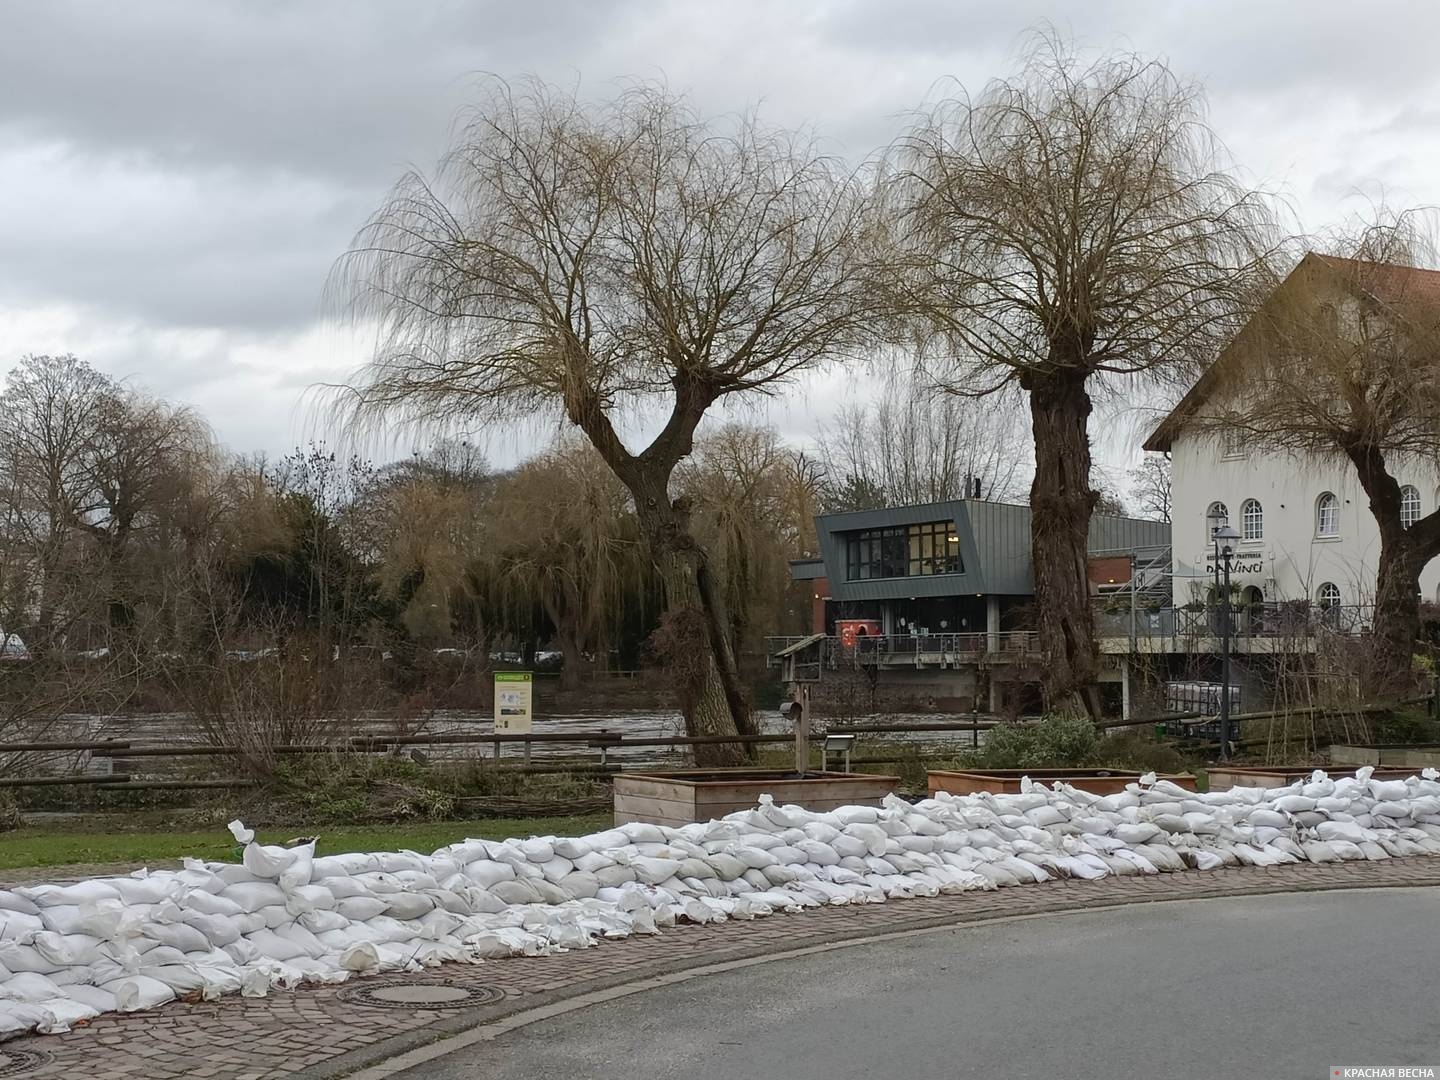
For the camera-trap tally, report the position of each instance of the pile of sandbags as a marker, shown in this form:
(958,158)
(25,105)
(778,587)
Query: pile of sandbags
(284,916)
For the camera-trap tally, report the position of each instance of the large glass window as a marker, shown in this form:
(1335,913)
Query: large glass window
(903,551)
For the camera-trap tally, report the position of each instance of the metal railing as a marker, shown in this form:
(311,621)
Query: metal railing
(1267,620)
(1275,621)
(889,649)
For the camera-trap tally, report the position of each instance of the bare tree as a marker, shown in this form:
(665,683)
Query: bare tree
(915,443)
(1150,487)
(1343,363)
(585,260)
(50,413)
(1069,229)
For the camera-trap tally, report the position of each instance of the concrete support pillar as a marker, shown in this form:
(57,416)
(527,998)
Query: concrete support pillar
(887,619)
(992,624)
(1125,688)
(997,697)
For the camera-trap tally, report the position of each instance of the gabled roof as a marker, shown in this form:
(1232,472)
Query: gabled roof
(1395,286)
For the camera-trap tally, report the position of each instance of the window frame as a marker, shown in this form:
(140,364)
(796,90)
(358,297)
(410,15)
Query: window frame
(1245,519)
(1327,596)
(1210,529)
(1410,505)
(921,549)
(1321,509)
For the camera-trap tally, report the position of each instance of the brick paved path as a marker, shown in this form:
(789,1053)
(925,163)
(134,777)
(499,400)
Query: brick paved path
(316,1032)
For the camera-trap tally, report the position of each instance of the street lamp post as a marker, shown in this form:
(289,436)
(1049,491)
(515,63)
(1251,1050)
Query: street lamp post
(1223,536)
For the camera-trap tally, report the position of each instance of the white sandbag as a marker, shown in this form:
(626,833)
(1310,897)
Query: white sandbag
(571,847)
(253,895)
(537,849)
(137,992)
(555,868)
(1388,790)
(82,892)
(95,997)
(31,986)
(299,870)
(1340,830)
(13,902)
(652,871)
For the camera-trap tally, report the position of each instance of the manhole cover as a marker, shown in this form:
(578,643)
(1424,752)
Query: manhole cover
(419,995)
(15,1061)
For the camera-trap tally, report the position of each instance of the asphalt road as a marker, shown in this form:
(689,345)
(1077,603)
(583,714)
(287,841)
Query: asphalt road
(1271,986)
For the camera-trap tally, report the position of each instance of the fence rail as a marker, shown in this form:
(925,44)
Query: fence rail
(601,740)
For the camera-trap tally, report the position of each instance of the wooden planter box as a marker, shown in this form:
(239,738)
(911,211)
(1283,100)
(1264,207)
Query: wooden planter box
(1411,756)
(1007,781)
(678,798)
(1227,776)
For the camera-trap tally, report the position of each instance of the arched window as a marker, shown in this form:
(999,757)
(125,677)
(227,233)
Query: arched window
(1328,595)
(1409,505)
(1252,520)
(1216,512)
(1327,515)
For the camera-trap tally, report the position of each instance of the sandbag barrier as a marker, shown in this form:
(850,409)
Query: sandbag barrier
(283,917)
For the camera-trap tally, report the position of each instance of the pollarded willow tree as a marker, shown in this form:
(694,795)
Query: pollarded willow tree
(592,260)
(1342,363)
(1067,232)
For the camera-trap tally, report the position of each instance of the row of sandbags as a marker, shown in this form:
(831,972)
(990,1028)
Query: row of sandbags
(283,916)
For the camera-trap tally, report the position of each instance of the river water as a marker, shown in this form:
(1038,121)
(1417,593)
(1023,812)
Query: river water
(178,729)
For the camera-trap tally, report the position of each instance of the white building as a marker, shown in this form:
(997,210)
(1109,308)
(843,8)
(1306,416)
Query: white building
(1306,529)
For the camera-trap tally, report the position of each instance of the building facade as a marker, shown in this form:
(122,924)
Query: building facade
(954,567)
(934,602)
(1306,531)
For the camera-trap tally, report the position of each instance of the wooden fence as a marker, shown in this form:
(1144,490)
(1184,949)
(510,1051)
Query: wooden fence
(600,743)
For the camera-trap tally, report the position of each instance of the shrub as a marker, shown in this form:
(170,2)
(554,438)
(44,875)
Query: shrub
(1053,742)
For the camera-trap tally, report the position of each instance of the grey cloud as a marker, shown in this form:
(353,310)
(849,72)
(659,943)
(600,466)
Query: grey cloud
(178,177)
(326,87)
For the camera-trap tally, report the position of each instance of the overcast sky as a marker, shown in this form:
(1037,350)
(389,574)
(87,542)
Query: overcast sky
(178,177)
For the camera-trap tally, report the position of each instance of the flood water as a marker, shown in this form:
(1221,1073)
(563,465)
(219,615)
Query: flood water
(179,729)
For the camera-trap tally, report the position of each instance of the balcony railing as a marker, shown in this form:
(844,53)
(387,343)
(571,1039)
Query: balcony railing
(1268,620)
(920,649)
(1274,621)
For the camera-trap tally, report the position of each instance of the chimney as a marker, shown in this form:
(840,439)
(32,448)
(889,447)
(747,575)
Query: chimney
(976,495)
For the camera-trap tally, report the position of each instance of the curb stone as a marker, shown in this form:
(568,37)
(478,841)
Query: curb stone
(314,1033)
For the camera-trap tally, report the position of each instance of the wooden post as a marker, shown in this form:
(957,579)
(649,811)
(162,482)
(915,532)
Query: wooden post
(802,731)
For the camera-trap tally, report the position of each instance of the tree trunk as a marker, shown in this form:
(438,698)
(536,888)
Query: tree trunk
(567,636)
(1388,672)
(712,699)
(1061,503)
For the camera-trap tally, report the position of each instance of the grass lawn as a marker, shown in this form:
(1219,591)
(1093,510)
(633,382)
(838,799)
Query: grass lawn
(112,844)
